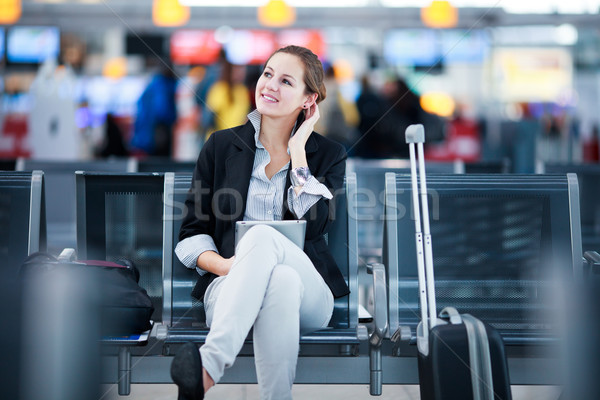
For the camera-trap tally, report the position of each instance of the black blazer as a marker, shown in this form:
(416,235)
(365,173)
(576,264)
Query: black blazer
(217,198)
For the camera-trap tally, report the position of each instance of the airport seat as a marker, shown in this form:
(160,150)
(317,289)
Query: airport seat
(156,164)
(502,245)
(588,177)
(7,164)
(22,232)
(119,215)
(22,216)
(370,189)
(183,316)
(487,167)
(60,194)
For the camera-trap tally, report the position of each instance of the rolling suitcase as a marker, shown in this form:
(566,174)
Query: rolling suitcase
(459,356)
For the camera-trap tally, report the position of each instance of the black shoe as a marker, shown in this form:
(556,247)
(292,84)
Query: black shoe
(186,371)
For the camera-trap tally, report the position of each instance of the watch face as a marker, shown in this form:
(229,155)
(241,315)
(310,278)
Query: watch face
(299,176)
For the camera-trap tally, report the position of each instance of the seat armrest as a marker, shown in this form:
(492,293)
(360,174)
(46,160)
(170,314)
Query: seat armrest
(380,318)
(592,259)
(380,328)
(67,255)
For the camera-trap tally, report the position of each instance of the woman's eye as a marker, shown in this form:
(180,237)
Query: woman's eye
(267,74)
(285,81)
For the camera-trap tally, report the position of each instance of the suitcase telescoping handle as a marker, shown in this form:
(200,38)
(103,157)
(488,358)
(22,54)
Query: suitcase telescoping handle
(415,135)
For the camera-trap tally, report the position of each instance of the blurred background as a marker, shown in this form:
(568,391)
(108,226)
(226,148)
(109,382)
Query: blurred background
(491,80)
(508,83)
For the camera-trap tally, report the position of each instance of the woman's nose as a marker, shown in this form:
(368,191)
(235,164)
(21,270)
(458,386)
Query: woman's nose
(271,84)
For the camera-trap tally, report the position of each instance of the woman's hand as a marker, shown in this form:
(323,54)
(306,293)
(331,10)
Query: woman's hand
(211,261)
(225,265)
(298,140)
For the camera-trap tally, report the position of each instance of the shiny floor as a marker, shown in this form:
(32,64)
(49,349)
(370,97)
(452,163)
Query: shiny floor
(312,392)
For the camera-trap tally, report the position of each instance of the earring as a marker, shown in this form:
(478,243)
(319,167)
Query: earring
(304,106)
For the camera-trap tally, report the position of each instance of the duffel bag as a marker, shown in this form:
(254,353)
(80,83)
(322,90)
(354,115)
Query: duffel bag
(125,307)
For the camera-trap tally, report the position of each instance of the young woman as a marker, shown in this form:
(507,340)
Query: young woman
(274,167)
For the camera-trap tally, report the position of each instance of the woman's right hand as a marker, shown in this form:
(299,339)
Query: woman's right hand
(225,265)
(213,262)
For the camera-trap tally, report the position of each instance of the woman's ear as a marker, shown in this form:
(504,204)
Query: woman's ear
(310,100)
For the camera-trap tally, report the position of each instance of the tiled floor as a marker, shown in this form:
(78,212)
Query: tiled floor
(312,392)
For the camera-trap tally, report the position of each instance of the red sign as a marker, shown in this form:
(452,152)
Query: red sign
(189,47)
(311,39)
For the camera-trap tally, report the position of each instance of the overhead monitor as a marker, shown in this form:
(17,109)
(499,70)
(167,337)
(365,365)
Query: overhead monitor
(532,75)
(418,47)
(250,47)
(465,46)
(32,44)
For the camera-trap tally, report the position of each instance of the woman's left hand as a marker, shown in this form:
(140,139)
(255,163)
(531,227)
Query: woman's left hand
(298,140)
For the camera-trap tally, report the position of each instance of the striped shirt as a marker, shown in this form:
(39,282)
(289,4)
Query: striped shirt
(264,202)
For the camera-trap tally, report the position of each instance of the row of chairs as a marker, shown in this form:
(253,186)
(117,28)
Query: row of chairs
(60,194)
(495,238)
(505,248)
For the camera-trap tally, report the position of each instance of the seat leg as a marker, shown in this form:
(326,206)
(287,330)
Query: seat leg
(375,362)
(124,371)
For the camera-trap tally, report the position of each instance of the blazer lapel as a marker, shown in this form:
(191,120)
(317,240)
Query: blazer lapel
(239,165)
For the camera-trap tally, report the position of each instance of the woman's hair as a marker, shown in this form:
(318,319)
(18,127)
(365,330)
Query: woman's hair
(313,69)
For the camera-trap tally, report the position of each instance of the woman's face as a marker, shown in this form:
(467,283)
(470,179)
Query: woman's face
(280,90)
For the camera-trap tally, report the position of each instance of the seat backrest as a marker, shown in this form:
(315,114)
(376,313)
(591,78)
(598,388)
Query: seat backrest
(164,165)
(7,164)
(488,167)
(119,215)
(498,243)
(342,240)
(60,193)
(370,199)
(182,311)
(588,177)
(22,216)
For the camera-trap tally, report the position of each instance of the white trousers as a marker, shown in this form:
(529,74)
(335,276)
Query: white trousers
(274,288)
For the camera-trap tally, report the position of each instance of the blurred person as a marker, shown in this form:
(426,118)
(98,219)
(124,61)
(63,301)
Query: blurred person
(274,167)
(371,107)
(112,143)
(228,99)
(401,107)
(340,116)
(591,147)
(462,142)
(211,75)
(156,115)
(405,110)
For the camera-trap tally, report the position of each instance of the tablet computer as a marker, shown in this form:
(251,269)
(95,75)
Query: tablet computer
(291,229)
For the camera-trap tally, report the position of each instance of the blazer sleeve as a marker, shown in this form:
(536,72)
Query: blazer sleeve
(322,213)
(199,217)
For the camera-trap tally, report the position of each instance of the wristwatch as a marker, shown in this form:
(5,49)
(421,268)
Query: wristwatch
(299,176)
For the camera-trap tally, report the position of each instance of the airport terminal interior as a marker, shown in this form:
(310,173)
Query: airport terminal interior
(105,106)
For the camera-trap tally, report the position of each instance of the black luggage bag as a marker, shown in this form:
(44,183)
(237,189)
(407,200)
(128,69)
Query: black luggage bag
(111,290)
(459,356)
